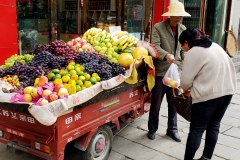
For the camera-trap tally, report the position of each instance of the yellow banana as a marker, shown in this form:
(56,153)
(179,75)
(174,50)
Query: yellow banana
(125,46)
(122,38)
(123,41)
(122,34)
(135,41)
(130,44)
(130,37)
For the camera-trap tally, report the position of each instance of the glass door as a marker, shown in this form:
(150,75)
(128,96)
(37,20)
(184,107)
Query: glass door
(135,17)
(33,20)
(69,12)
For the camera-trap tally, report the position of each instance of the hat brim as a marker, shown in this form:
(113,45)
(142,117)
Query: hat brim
(184,14)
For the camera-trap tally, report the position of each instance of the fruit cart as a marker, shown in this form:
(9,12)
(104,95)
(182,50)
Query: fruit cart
(88,126)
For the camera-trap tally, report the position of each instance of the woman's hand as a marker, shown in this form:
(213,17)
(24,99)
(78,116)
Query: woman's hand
(170,58)
(187,93)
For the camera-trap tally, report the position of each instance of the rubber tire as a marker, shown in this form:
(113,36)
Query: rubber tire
(107,132)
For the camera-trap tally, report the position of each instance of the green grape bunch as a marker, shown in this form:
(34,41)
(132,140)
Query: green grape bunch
(17,58)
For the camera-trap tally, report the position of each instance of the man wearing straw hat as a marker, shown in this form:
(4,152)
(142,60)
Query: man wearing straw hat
(165,39)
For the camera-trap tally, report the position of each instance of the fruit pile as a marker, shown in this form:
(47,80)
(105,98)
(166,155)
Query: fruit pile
(101,42)
(13,81)
(124,40)
(81,45)
(58,69)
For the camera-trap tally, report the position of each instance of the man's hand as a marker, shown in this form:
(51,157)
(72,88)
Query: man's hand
(170,58)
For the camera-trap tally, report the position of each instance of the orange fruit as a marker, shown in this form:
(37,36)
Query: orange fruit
(70,67)
(98,79)
(78,88)
(125,59)
(57,76)
(87,76)
(57,81)
(55,71)
(83,87)
(72,72)
(82,67)
(79,82)
(65,78)
(82,78)
(74,76)
(95,75)
(62,72)
(72,82)
(87,84)
(139,51)
(50,76)
(93,80)
(71,63)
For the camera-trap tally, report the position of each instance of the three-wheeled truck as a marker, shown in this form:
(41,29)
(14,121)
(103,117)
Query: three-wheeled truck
(88,126)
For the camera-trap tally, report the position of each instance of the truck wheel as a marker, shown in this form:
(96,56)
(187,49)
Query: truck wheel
(100,145)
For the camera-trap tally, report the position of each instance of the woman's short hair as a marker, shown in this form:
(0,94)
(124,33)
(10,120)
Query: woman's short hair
(192,36)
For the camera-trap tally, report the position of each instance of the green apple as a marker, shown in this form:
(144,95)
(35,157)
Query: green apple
(104,48)
(96,43)
(102,44)
(108,44)
(109,56)
(102,52)
(111,49)
(115,43)
(106,40)
(114,60)
(115,54)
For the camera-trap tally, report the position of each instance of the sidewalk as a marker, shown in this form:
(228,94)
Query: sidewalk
(131,143)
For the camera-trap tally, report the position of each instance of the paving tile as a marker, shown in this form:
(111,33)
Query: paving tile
(161,156)
(178,152)
(226,152)
(234,132)
(235,107)
(229,141)
(133,150)
(231,121)
(116,156)
(138,122)
(232,113)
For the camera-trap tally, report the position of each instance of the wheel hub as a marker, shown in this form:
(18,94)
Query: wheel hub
(100,145)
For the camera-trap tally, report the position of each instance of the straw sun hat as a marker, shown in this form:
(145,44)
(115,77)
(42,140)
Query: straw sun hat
(176,9)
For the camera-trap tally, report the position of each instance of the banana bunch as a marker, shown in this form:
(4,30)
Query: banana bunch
(123,40)
(96,35)
(128,50)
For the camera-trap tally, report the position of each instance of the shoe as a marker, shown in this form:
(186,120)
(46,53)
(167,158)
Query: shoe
(174,136)
(151,135)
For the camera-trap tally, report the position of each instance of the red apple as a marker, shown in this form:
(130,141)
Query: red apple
(46,92)
(167,80)
(174,84)
(27,97)
(44,101)
(34,92)
(62,91)
(42,80)
(57,87)
(53,96)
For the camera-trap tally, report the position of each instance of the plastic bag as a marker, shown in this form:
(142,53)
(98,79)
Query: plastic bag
(171,77)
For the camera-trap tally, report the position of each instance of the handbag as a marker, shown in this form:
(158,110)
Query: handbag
(183,104)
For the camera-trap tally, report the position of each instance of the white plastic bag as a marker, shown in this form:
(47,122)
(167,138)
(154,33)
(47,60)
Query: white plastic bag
(171,77)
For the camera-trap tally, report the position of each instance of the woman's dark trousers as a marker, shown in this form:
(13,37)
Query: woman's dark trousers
(205,116)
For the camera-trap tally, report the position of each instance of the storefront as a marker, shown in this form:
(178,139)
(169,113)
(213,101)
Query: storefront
(43,21)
